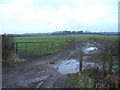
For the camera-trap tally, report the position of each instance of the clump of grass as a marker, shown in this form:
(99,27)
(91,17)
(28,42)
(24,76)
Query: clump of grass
(80,81)
(12,60)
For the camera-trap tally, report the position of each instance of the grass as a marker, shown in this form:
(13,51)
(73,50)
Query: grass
(80,81)
(61,38)
(60,42)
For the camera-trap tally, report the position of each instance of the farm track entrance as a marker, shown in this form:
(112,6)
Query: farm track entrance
(27,49)
(37,69)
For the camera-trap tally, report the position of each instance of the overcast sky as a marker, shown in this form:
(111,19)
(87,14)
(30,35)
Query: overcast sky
(39,16)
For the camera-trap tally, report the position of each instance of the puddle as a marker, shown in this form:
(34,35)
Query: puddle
(68,66)
(89,49)
(73,66)
(114,68)
(88,64)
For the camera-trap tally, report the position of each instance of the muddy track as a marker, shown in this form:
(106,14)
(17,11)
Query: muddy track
(39,72)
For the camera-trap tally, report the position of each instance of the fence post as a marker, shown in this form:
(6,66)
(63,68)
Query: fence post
(16,47)
(81,56)
(104,54)
(109,62)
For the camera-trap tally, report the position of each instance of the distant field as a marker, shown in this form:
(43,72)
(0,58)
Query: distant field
(59,42)
(61,38)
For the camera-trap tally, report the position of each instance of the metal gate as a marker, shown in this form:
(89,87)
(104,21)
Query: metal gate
(25,49)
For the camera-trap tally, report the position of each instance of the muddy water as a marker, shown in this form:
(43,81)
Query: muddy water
(68,66)
(75,65)
(89,49)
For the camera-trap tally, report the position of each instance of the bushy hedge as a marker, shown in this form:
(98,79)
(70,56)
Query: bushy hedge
(7,46)
(8,49)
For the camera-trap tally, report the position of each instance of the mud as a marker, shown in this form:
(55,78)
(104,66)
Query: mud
(52,70)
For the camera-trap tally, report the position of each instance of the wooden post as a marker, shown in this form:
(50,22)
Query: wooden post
(81,56)
(104,67)
(109,62)
(16,47)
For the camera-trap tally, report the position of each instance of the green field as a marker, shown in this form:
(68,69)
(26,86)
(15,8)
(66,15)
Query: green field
(62,38)
(59,42)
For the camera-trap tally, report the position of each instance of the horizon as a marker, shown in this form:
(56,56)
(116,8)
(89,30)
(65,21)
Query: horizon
(46,16)
(60,32)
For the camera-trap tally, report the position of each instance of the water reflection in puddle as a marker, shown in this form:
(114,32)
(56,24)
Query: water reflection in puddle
(89,49)
(73,66)
(68,66)
(88,64)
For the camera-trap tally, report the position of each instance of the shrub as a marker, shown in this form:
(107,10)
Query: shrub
(8,49)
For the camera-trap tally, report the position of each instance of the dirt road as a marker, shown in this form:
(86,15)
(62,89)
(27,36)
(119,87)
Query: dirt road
(39,72)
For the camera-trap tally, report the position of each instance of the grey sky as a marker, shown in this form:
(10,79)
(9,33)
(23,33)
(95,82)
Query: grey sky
(32,16)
